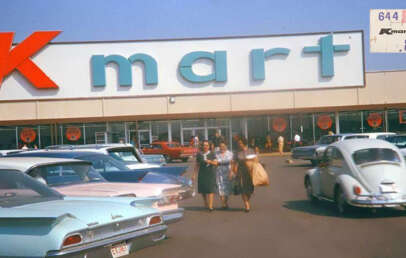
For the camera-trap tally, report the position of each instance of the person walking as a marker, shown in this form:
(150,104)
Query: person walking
(243,181)
(268,143)
(206,174)
(281,142)
(224,173)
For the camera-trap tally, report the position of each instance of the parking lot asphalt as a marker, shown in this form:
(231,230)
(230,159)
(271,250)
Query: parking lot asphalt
(282,223)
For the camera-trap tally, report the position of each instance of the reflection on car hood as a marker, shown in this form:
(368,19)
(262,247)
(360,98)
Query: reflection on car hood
(113,189)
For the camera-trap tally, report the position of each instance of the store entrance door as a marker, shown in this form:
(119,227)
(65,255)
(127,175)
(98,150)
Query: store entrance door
(142,138)
(189,132)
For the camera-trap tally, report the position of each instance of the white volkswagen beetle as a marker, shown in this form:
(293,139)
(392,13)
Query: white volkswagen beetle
(360,172)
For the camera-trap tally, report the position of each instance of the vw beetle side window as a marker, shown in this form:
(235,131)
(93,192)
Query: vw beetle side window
(338,159)
(328,156)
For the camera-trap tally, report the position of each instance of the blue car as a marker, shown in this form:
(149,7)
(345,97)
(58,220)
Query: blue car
(36,221)
(114,170)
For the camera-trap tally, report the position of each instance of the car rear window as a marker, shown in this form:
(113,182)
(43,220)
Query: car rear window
(124,155)
(375,155)
(18,189)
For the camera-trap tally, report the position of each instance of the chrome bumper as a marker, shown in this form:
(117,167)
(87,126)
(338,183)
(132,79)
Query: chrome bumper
(377,203)
(136,240)
(172,216)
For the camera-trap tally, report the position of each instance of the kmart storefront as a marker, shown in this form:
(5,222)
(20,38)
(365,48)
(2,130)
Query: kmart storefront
(172,89)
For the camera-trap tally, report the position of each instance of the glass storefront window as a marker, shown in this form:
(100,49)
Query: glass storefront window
(350,122)
(257,131)
(374,121)
(117,131)
(8,138)
(96,133)
(28,136)
(159,131)
(193,123)
(45,135)
(324,123)
(175,129)
(72,134)
(302,124)
(397,121)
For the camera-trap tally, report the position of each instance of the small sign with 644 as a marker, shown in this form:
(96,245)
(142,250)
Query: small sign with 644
(387,30)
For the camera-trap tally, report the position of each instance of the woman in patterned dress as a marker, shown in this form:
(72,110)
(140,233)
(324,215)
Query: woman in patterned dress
(243,178)
(206,174)
(224,173)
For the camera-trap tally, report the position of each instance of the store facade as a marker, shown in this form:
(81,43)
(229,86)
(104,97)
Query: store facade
(107,92)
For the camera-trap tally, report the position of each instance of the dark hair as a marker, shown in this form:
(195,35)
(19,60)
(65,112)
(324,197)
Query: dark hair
(244,140)
(222,142)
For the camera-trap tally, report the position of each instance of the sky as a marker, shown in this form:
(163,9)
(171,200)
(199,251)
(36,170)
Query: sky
(109,20)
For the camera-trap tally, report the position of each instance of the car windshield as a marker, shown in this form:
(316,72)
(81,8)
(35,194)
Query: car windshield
(399,141)
(66,174)
(325,140)
(375,155)
(18,189)
(126,155)
(173,145)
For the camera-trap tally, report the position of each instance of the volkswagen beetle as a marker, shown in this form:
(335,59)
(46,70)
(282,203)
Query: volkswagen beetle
(360,172)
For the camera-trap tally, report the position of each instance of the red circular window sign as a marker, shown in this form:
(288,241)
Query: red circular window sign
(279,124)
(73,133)
(324,122)
(374,120)
(28,135)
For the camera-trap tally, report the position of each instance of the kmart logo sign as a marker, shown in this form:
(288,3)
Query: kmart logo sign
(324,51)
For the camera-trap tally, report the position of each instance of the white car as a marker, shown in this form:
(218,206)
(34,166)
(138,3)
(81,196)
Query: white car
(123,152)
(359,172)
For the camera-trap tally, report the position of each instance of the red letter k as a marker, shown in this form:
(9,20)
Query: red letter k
(19,57)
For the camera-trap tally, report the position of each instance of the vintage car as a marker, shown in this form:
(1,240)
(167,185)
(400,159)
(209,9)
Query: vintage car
(36,221)
(313,153)
(360,172)
(124,152)
(114,170)
(170,150)
(73,177)
(398,140)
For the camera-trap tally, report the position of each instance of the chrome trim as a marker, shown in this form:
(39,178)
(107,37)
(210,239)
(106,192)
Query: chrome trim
(111,241)
(172,216)
(377,203)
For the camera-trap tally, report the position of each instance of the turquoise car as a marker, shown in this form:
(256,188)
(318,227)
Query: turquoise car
(36,221)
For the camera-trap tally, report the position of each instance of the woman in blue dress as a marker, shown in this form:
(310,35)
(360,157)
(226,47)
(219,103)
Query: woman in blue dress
(224,173)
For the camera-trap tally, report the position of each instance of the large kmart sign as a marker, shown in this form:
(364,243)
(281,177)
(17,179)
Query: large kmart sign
(196,66)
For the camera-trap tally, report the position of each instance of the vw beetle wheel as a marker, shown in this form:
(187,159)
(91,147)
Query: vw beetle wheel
(309,191)
(342,205)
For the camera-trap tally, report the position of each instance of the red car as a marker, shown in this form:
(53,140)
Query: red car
(170,150)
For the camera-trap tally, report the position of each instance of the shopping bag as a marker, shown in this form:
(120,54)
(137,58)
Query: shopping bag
(259,175)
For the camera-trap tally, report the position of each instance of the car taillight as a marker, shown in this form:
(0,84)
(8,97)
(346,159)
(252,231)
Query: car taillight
(357,190)
(73,239)
(155,220)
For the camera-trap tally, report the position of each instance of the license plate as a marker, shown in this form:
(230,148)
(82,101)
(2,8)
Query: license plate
(119,250)
(388,188)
